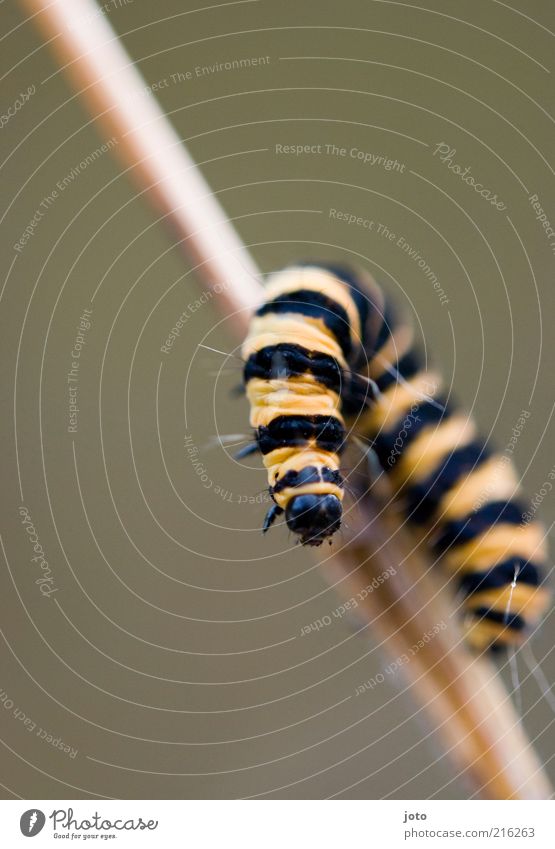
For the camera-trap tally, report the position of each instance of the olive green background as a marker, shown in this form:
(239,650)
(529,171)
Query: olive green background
(170,655)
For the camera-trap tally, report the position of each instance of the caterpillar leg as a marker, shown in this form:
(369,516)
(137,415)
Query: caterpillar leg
(246,451)
(271,517)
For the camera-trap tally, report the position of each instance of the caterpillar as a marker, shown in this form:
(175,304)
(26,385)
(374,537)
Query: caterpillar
(327,357)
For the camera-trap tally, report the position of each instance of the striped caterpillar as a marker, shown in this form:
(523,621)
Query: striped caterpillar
(326,358)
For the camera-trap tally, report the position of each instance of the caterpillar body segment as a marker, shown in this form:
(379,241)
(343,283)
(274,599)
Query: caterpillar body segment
(461,496)
(302,345)
(328,357)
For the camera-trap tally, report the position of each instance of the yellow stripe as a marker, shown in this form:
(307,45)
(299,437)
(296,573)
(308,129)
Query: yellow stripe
(480,634)
(396,345)
(316,280)
(494,480)
(497,544)
(298,396)
(426,452)
(294,459)
(321,488)
(395,402)
(282,455)
(281,461)
(311,333)
(524,600)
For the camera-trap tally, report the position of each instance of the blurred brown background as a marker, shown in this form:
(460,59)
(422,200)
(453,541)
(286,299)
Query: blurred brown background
(169,659)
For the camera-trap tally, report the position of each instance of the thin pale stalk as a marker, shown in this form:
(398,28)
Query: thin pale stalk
(91,54)
(461,696)
(466,706)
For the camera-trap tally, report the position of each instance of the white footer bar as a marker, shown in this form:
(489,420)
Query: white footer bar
(278,824)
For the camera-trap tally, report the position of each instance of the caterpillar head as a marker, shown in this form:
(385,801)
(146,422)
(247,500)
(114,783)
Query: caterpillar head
(314,517)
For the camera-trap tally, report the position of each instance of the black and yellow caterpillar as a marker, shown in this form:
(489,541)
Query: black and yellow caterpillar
(326,357)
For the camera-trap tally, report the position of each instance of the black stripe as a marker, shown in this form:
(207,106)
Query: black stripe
(501,575)
(461,531)
(327,432)
(286,360)
(310,474)
(388,326)
(357,394)
(314,305)
(369,312)
(409,365)
(406,431)
(511,620)
(423,498)
(357,292)
(364,308)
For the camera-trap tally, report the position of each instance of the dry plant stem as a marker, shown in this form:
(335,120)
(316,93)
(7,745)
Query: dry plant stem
(465,703)
(462,696)
(117,96)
